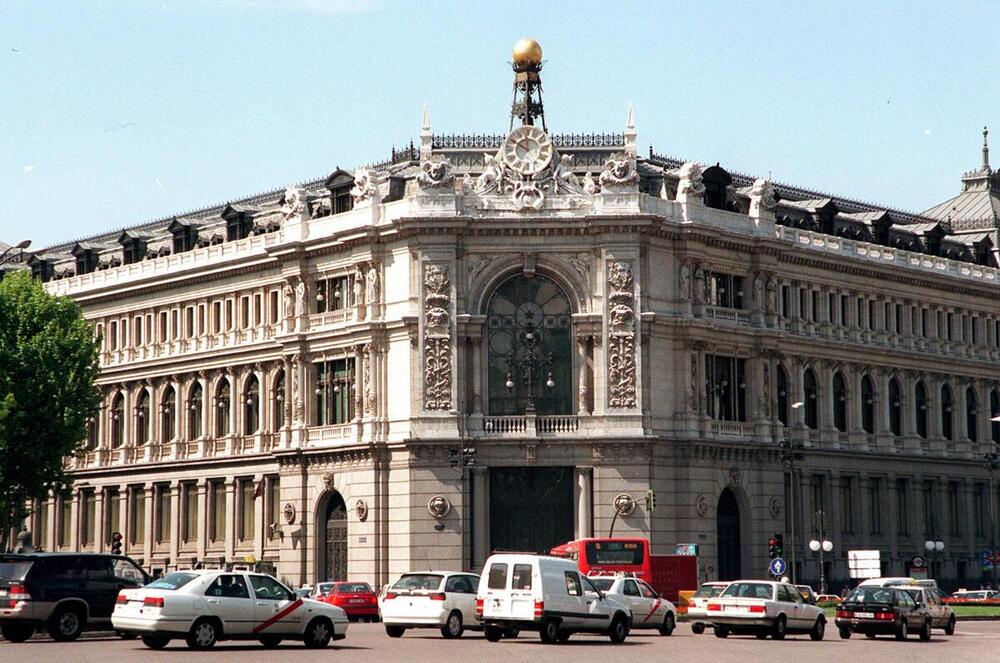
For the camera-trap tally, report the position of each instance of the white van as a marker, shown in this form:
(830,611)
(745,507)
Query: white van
(545,594)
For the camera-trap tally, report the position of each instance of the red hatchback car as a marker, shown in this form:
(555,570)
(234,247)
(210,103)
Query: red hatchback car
(357,599)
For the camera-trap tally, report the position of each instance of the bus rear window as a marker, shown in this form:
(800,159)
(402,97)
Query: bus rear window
(615,552)
(498,576)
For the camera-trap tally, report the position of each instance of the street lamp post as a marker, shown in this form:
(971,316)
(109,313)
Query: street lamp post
(533,359)
(991,462)
(788,456)
(821,545)
(932,546)
(12,253)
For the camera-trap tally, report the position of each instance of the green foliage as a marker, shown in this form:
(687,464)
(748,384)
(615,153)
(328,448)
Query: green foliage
(48,364)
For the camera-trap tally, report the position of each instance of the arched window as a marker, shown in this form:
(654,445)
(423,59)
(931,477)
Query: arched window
(194,411)
(994,413)
(117,416)
(528,337)
(278,402)
(251,406)
(782,396)
(812,402)
(142,418)
(947,418)
(168,409)
(920,403)
(222,406)
(868,405)
(895,408)
(839,402)
(971,415)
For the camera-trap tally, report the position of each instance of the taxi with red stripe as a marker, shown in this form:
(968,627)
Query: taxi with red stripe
(202,607)
(649,609)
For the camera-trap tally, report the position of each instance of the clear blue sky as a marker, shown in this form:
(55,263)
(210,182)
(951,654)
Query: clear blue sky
(116,113)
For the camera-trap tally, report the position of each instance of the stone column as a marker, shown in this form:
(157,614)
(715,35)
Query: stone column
(51,504)
(231,517)
(99,525)
(74,521)
(476,350)
(584,494)
(122,525)
(480,516)
(149,497)
(236,402)
(359,383)
(202,532)
(175,521)
(260,515)
(128,417)
(179,410)
(583,388)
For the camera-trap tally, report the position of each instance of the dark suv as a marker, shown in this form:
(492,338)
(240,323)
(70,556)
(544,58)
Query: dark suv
(882,611)
(64,593)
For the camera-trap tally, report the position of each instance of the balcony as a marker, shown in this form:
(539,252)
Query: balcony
(733,315)
(528,425)
(733,429)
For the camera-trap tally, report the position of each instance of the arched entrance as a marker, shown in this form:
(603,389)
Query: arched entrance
(333,529)
(727,522)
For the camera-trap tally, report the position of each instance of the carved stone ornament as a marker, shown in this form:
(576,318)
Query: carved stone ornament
(735,476)
(761,198)
(701,505)
(294,203)
(774,507)
(439,506)
(619,171)
(624,504)
(289,513)
(329,481)
(365,186)
(361,510)
(684,282)
(622,378)
(690,181)
(436,175)
(437,338)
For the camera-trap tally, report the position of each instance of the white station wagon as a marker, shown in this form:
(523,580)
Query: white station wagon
(762,608)
(649,609)
(441,600)
(203,607)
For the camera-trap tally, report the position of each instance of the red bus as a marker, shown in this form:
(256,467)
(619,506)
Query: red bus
(667,574)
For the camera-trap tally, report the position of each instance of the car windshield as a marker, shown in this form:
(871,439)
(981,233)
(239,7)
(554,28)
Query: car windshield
(708,591)
(870,595)
(324,588)
(419,581)
(353,588)
(603,584)
(750,590)
(14,569)
(172,581)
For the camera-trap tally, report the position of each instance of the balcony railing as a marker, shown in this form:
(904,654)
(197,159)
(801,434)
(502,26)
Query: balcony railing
(530,424)
(732,429)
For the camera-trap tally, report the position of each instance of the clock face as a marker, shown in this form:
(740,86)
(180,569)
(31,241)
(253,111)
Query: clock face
(528,150)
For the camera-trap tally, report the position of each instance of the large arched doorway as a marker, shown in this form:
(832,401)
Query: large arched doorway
(530,354)
(333,526)
(727,522)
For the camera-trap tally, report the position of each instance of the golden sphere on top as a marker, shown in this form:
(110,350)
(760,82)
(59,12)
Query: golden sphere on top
(527,53)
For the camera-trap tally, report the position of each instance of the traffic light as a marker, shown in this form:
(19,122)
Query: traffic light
(116,543)
(779,544)
(772,548)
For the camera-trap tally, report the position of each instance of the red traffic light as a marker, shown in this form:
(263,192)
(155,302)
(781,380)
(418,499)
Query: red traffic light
(772,542)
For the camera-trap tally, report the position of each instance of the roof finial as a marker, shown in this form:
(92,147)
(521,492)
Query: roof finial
(425,123)
(986,149)
(426,137)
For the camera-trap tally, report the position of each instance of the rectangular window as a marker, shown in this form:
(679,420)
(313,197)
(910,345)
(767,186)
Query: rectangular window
(88,517)
(273,501)
(190,505)
(817,493)
(899,319)
(831,308)
(217,525)
(216,317)
(785,301)
(975,330)
(112,513)
(113,335)
(175,327)
(258,310)
(163,326)
(875,505)
(924,322)
(244,312)
(247,509)
(123,328)
(202,327)
(940,331)
(844,307)
(137,515)
(334,294)
(847,505)
(498,576)
(273,307)
(137,331)
(954,509)
(902,508)
(814,306)
(725,387)
(65,522)
(982,509)
(871,315)
(335,400)
(521,578)
(189,322)
(914,320)
(887,317)
(861,313)
(162,515)
(229,316)
(803,305)
(928,510)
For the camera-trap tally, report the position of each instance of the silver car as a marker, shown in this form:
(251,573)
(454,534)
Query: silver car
(942,614)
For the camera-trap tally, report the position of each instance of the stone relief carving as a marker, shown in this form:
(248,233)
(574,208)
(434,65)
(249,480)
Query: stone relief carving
(298,407)
(692,402)
(361,510)
(294,204)
(476,263)
(772,294)
(365,186)
(369,381)
(690,181)
(289,294)
(765,397)
(624,504)
(774,507)
(684,282)
(329,481)
(436,175)
(761,198)
(439,506)
(701,505)
(437,338)
(619,171)
(300,297)
(700,283)
(621,335)
(372,285)
(289,513)
(758,290)
(527,191)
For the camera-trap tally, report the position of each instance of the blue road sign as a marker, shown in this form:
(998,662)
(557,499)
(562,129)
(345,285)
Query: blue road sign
(777,567)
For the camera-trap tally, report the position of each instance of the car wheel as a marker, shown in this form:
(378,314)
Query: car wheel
(949,629)
(845,633)
(66,624)
(493,633)
(394,631)
(549,631)
(721,632)
(697,629)
(902,630)
(818,629)
(155,641)
(618,630)
(512,633)
(563,636)
(318,633)
(17,632)
(270,641)
(925,634)
(780,628)
(453,627)
(203,635)
(669,624)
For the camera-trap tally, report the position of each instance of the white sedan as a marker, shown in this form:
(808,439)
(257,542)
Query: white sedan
(203,607)
(441,600)
(649,609)
(763,608)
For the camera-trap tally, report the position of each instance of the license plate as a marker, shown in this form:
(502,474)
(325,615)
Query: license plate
(357,601)
(864,615)
(735,608)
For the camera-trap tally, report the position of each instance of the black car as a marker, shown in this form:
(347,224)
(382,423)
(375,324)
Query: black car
(63,593)
(882,611)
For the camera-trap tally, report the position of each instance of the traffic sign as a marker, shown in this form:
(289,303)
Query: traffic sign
(777,567)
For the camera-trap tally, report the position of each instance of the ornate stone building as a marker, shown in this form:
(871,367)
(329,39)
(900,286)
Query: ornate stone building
(486,341)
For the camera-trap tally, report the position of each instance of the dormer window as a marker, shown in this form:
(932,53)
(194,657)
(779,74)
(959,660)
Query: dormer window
(133,247)
(185,235)
(41,268)
(86,258)
(339,183)
(239,222)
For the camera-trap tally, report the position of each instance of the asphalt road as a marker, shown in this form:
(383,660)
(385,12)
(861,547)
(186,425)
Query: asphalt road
(974,641)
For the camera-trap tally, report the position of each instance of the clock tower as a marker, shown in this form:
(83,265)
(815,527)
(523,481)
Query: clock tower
(527,64)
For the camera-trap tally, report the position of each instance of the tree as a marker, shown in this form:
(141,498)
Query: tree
(48,364)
